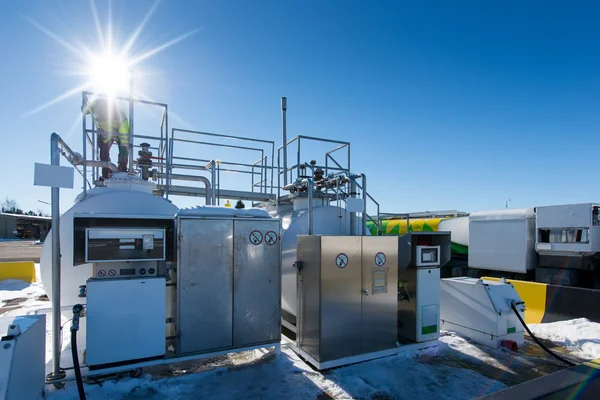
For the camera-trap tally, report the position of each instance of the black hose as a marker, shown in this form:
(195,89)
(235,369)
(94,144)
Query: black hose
(74,328)
(547,350)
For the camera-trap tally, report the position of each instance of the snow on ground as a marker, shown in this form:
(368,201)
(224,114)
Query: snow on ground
(454,369)
(35,300)
(414,375)
(580,336)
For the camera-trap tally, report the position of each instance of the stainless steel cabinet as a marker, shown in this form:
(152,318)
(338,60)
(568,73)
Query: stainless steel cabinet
(347,294)
(228,283)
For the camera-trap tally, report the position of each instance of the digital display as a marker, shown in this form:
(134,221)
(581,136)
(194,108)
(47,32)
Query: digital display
(127,271)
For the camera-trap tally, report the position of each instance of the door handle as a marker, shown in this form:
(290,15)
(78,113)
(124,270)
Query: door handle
(365,292)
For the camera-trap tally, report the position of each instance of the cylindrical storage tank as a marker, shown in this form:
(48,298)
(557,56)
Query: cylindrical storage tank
(120,200)
(327,220)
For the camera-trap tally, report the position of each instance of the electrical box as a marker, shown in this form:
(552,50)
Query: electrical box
(99,239)
(126,320)
(23,357)
(564,230)
(347,296)
(481,310)
(503,240)
(228,279)
(124,244)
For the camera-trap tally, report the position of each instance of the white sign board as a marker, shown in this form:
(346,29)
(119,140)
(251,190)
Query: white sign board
(53,176)
(354,204)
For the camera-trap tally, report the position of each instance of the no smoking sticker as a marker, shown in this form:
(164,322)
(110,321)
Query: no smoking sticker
(256,238)
(380,259)
(112,272)
(341,260)
(101,273)
(270,238)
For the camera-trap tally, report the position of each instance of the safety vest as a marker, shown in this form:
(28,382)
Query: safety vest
(118,126)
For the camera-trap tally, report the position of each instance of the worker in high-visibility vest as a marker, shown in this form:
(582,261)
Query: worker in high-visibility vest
(112,126)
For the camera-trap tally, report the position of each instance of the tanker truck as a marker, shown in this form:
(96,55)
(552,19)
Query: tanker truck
(557,244)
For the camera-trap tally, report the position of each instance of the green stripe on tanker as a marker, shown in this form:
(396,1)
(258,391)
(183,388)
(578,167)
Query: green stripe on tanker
(458,227)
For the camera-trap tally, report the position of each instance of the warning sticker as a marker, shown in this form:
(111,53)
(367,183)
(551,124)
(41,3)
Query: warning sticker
(341,260)
(270,238)
(256,238)
(101,273)
(380,259)
(112,272)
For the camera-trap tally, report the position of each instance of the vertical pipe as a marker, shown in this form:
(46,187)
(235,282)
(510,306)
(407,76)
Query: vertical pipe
(272,169)
(84,128)
(278,182)
(364,213)
(55,200)
(284,129)
(309,183)
(166,152)
(353,230)
(297,161)
(131,172)
(94,152)
(213,191)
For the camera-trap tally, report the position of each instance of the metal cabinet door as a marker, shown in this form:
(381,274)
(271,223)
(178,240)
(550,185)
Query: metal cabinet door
(205,279)
(380,292)
(257,282)
(340,297)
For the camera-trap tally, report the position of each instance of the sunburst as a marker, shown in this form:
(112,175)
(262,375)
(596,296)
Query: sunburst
(107,70)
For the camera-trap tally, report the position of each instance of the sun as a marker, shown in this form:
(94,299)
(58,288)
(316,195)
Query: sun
(109,73)
(109,70)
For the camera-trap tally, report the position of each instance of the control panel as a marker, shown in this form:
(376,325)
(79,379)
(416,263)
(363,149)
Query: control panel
(105,240)
(428,256)
(130,270)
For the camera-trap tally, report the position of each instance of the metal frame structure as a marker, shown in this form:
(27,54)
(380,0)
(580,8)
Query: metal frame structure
(90,136)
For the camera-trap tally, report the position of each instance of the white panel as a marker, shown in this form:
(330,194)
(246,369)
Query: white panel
(428,300)
(126,319)
(354,204)
(480,311)
(22,359)
(564,216)
(502,245)
(53,176)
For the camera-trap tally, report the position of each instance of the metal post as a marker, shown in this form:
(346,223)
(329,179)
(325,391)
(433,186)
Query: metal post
(213,194)
(284,123)
(84,128)
(364,213)
(56,335)
(353,230)
(309,183)
(131,172)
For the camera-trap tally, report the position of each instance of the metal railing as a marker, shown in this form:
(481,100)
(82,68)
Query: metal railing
(90,136)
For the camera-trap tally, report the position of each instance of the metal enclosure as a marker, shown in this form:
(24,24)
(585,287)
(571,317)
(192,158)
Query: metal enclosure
(22,357)
(347,296)
(126,320)
(418,305)
(503,240)
(229,281)
(565,230)
(481,310)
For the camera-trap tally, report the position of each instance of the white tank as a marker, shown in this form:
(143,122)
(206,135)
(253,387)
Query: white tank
(327,220)
(121,198)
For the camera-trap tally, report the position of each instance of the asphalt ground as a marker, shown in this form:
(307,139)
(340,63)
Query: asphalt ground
(20,250)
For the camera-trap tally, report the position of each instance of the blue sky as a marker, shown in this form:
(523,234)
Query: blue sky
(448,105)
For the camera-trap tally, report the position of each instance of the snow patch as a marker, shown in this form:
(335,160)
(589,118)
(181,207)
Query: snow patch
(581,336)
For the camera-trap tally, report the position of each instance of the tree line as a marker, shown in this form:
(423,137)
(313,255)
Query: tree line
(10,206)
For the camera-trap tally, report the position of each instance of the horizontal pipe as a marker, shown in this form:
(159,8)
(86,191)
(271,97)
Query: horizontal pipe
(224,136)
(152,103)
(101,164)
(218,144)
